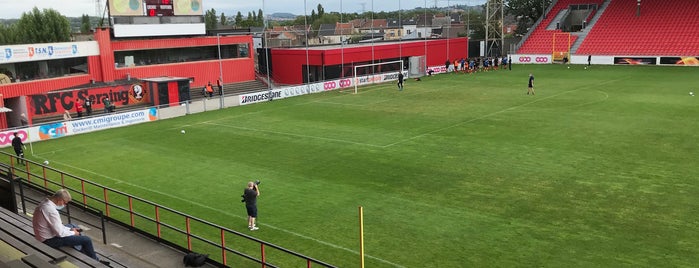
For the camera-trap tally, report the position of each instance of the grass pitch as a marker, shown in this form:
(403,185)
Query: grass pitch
(597,169)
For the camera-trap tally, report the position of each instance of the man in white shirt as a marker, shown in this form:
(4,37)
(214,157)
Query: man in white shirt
(49,229)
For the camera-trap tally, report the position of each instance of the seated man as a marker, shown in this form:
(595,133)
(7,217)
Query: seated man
(49,229)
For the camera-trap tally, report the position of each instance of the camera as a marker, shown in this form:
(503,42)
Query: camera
(243,196)
(257,182)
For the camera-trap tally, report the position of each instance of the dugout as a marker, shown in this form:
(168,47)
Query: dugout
(167,90)
(289,65)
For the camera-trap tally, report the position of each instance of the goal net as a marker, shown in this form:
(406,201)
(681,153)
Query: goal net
(375,73)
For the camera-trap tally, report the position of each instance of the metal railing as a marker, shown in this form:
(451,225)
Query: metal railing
(167,225)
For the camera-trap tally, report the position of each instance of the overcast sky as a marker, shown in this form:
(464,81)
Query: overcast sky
(75,8)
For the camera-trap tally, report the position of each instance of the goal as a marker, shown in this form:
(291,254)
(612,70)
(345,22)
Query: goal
(374,73)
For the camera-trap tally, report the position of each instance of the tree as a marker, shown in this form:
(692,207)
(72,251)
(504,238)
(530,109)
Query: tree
(85,25)
(210,19)
(223,19)
(9,35)
(239,19)
(321,10)
(526,12)
(45,26)
(260,18)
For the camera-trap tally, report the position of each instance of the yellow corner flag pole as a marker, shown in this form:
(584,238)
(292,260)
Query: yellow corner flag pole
(361,236)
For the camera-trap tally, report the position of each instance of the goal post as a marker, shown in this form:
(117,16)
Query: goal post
(372,74)
(561,44)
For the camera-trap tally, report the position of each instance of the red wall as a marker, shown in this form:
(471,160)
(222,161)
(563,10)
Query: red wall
(101,68)
(288,63)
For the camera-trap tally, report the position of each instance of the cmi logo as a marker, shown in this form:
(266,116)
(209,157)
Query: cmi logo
(51,131)
(8,53)
(152,114)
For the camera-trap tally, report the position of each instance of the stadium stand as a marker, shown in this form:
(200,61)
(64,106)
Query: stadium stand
(231,89)
(663,28)
(540,41)
(20,249)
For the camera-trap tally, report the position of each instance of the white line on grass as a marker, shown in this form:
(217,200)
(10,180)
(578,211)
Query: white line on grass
(497,112)
(229,214)
(296,135)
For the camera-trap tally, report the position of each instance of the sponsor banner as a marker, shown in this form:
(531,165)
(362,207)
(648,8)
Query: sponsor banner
(635,60)
(7,136)
(35,52)
(110,121)
(293,91)
(379,78)
(437,69)
(126,8)
(67,128)
(260,96)
(53,103)
(532,59)
(688,61)
(337,84)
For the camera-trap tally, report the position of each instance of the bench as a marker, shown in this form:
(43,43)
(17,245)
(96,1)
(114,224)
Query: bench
(17,231)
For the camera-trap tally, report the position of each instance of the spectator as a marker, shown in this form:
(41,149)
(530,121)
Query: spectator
(23,120)
(209,90)
(88,106)
(108,106)
(50,230)
(79,107)
(66,115)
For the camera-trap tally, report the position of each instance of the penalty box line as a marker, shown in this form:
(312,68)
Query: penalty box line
(232,215)
(295,135)
(499,112)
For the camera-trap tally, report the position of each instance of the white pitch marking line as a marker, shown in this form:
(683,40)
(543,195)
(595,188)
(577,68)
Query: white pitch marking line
(234,215)
(493,113)
(296,135)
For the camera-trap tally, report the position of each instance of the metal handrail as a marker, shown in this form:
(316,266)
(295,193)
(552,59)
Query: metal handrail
(86,196)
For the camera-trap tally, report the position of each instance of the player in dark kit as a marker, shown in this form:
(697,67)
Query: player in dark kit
(531,84)
(18,146)
(400,81)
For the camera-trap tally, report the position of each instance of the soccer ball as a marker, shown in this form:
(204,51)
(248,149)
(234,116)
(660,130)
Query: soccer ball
(46,162)
(568,67)
(585,68)
(182,131)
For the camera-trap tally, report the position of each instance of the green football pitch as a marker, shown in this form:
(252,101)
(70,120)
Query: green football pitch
(596,170)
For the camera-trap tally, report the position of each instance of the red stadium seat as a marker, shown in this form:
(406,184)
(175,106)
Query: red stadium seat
(664,28)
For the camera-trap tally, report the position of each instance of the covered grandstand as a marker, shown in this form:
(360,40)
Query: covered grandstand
(647,31)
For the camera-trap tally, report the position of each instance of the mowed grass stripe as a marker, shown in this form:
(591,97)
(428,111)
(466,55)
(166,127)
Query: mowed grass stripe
(600,176)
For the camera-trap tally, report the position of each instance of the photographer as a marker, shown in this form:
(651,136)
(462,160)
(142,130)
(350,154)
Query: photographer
(250,198)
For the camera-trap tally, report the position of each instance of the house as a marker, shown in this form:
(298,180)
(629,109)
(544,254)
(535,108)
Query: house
(424,26)
(326,34)
(393,30)
(410,29)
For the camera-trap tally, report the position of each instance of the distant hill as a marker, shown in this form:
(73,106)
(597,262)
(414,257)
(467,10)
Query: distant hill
(283,16)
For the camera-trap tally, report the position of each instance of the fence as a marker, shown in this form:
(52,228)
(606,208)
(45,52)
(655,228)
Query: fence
(167,225)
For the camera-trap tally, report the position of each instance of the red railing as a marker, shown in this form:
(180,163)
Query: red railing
(135,213)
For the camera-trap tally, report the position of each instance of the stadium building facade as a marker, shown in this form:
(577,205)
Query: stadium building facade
(303,65)
(41,80)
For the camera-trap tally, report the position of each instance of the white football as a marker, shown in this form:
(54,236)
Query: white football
(182,131)
(46,162)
